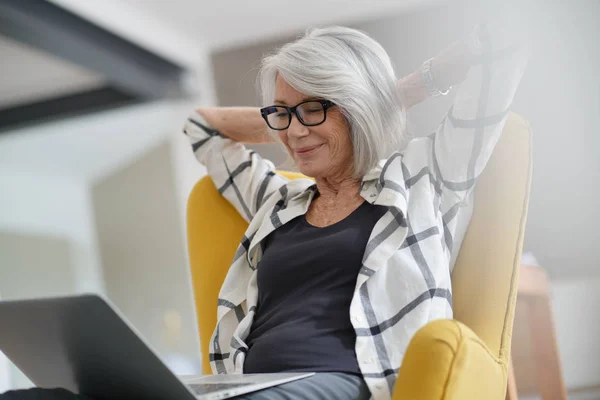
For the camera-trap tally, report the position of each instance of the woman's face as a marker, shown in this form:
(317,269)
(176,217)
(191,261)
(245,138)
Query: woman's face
(328,144)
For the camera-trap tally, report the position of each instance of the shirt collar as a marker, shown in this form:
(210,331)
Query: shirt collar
(373,187)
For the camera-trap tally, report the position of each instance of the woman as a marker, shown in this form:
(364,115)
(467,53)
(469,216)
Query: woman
(335,276)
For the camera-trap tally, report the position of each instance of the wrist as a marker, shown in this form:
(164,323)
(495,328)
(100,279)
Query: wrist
(430,83)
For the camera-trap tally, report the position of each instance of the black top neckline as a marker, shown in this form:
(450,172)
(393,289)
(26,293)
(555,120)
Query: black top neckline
(336,224)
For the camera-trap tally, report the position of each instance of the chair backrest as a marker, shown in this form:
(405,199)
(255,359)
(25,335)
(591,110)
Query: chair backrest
(485,273)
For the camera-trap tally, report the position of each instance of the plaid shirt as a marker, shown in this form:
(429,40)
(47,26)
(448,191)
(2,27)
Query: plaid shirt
(404,282)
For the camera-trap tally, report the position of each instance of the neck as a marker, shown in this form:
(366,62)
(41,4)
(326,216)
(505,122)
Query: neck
(334,190)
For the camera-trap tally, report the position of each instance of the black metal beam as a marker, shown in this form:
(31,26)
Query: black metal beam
(66,106)
(128,67)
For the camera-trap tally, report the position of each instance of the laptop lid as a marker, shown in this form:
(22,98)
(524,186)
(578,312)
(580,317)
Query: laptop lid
(82,344)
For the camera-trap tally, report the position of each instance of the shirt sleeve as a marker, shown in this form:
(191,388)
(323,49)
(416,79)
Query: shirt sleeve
(242,176)
(464,141)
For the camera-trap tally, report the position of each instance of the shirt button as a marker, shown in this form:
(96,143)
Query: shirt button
(389,197)
(378,387)
(357,318)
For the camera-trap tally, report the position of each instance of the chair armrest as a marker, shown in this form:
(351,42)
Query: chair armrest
(446,360)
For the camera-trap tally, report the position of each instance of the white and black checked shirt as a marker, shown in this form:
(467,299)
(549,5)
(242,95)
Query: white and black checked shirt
(404,282)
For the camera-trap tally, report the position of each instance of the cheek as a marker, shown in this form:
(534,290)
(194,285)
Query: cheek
(339,139)
(339,129)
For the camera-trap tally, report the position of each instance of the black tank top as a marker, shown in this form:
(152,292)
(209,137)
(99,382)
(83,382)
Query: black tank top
(306,280)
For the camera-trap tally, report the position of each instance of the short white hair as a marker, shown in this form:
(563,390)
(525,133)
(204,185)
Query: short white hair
(351,69)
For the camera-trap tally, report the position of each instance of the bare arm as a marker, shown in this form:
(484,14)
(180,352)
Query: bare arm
(240,124)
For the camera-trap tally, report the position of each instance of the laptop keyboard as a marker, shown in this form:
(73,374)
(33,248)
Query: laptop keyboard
(205,388)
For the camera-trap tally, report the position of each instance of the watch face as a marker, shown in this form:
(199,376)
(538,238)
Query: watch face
(429,82)
(428,79)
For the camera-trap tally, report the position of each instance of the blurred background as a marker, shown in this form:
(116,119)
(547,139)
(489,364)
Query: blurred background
(95,174)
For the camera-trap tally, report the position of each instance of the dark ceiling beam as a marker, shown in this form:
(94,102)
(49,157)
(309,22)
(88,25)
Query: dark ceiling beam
(127,67)
(71,105)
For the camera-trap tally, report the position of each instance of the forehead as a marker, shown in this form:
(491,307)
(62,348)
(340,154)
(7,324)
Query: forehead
(286,94)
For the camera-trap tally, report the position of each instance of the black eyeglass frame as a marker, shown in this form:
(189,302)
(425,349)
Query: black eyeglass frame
(326,104)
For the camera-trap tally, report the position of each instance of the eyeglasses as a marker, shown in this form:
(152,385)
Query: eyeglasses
(309,113)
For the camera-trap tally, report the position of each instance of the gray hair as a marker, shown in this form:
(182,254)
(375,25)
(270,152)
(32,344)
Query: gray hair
(351,69)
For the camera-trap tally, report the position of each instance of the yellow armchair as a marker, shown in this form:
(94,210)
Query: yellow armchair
(465,358)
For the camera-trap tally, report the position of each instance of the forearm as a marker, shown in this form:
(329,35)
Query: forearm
(240,124)
(411,90)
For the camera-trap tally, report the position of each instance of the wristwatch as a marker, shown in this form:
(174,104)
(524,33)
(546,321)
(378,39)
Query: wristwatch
(429,82)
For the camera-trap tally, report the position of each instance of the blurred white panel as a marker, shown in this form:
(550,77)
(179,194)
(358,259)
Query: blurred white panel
(576,307)
(4,374)
(226,23)
(91,146)
(142,248)
(29,75)
(56,207)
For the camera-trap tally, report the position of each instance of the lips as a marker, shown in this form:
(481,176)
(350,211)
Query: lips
(306,150)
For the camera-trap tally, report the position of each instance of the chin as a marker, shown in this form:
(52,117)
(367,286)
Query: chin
(310,170)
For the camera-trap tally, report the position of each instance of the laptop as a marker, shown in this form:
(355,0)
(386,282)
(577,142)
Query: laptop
(83,344)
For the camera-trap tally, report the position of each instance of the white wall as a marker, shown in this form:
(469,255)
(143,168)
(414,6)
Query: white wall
(37,204)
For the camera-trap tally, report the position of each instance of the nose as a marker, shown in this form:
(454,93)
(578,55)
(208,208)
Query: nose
(296,129)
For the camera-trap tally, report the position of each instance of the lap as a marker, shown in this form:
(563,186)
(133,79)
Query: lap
(321,386)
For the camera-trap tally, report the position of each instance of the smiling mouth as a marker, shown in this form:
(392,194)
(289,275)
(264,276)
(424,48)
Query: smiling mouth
(309,151)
